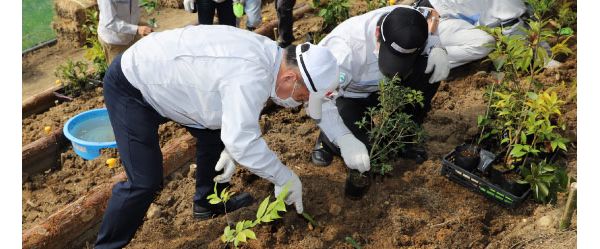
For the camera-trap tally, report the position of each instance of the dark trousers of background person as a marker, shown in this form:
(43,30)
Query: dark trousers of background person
(286,21)
(135,124)
(353,110)
(206,12)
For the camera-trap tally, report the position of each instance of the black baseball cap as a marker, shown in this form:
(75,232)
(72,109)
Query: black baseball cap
(403,35)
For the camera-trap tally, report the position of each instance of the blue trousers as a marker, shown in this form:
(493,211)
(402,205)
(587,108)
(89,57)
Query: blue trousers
(135,124)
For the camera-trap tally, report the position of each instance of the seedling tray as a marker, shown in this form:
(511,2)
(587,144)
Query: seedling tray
(479,184)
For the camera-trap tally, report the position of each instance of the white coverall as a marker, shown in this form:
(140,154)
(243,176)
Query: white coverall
(463,42)
(222,82)
(353,43)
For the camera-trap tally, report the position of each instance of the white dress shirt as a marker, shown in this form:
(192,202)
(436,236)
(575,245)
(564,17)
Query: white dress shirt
(212,77)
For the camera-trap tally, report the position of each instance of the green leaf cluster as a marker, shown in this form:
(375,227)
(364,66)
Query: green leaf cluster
(545,180)
(388,126)
(74,76)
(242,232)
(375,4)
(335,12)
(524,117)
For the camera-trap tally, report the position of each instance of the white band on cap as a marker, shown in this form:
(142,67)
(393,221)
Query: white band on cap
(403,50)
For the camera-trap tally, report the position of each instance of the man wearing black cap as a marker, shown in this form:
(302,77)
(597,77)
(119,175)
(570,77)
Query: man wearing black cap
(391,41)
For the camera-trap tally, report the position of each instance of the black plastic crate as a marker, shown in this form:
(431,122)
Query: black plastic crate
(479,184)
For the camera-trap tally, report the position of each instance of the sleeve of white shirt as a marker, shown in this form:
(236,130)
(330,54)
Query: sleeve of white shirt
(108,10)
(331,122)
(240,130)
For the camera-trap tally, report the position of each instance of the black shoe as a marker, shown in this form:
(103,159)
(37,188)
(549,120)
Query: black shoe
(236,202)
(417,153)
(320,155)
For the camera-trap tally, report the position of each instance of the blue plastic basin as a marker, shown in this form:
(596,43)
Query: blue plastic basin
(89,132)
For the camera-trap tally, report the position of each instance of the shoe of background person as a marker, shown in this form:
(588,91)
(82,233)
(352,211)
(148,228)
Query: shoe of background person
(236,202)
(320,155)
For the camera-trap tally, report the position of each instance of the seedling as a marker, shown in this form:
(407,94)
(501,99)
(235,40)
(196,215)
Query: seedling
(242,231)
(74,77)
(353,242)
(310,219)
(389,128)
(523,117)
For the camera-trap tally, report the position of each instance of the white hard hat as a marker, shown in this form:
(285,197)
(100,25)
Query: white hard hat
(320,72)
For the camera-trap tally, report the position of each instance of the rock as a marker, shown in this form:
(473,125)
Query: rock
(31,203)
(153,212)
(335,209)
(545,222)
(192,172)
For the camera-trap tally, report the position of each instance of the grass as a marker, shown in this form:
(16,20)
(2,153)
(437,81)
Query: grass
(37,15)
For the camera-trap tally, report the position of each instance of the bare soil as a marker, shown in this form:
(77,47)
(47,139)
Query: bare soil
(414,207)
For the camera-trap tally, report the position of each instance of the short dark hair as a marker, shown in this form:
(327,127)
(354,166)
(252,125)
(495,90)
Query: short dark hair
(290,56)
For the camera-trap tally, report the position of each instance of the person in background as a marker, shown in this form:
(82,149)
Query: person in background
(252,8)
(214,80)
(459,19)
(286,21)
(118,26)
(206,11)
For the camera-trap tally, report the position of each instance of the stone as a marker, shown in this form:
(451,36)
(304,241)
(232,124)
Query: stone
(335,209)
(192,171)
(153,212)
(545,222)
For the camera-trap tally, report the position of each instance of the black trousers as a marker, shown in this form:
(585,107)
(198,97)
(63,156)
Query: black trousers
(206,12)
(135,124)
(353,110)
(286,20)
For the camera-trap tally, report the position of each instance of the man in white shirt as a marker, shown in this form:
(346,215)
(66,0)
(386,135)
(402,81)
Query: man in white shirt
(391,41)
(118,26)
(214,80)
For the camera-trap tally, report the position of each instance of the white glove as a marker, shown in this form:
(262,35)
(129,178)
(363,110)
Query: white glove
(438,58)
(227,163)
(188,5)
(294,193)
(354,152)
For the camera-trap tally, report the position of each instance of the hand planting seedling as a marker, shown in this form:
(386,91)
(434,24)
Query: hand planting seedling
(242,230)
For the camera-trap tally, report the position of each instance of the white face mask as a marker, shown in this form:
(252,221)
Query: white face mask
(289,102)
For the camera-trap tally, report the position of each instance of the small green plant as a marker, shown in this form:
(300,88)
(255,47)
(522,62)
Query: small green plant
(151,6)
(335,12)
(375,4)
(74,77)
(545,179)
(389,128)
(566,17)
(242,231)
(353,242)
(541,7)
(94,51)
